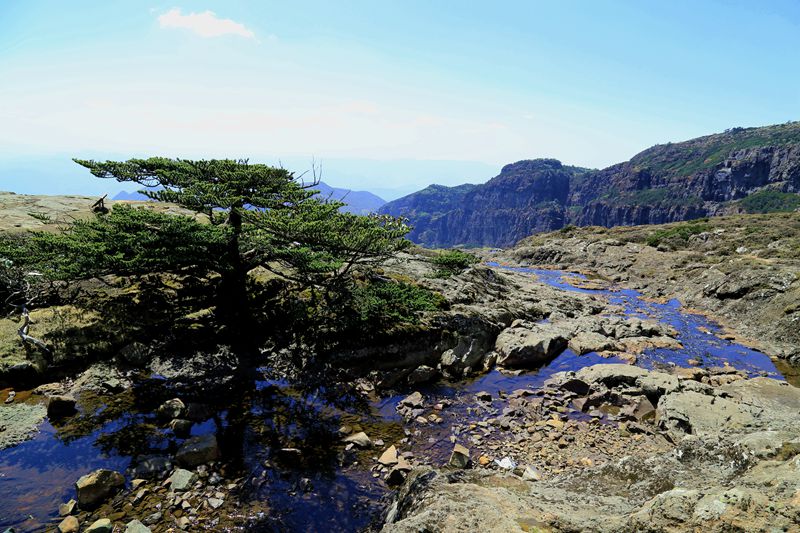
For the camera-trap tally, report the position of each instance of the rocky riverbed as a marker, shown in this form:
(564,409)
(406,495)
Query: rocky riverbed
(518,408)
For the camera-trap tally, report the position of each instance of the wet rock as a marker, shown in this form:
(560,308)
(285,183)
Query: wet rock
(459,458)
(182,480)
(152,466)
(413,400)
(69,525)
(134,526)
(181,427)
(198,450)
(389,456)
(100,526)
(170,409)
(483,396)
(530,345)
(67,508)
(360,439)
(60,406)
(95,487)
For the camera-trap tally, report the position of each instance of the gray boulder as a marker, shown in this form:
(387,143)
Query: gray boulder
(95,487)
(198,450)
(530,345)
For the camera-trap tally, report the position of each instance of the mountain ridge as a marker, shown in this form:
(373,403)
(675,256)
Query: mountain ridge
(705,176)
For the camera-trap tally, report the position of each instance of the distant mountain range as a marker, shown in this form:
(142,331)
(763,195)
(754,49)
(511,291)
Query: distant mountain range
(359,202)
(739,170)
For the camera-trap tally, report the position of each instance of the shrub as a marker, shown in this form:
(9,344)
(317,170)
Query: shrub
(453,262)
(770,201)
(391,302)
(680,233)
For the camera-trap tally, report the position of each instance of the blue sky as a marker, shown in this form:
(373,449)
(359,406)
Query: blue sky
(390,96)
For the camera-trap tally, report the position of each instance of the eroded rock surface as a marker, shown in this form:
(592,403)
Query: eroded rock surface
(711,458)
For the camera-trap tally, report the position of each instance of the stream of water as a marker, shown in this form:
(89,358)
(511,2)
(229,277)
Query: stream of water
(326,488)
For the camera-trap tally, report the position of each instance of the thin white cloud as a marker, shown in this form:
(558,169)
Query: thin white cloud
(205,24)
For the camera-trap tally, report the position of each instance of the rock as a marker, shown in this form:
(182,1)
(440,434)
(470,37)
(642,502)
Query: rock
(198,450)
(577,386)
(135,354)
(587,341)
(389,456)
(215,503)
(11,396)
(180,427)
(152,466)
(422,374)
(531,474)
(174,408)
(67,508)
(483,396)
(59,406)
(69,525)
(506,463)
(530,346)
(459,458)
(360,439)
(134,526)
(413,400)
(100,526)
(95,487)
(182,480)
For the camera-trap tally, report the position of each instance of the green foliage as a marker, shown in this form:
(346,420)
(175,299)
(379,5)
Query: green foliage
(218,188)
(387,303)
(770,201)
(452,262)
(682,159)
(680,232)
(127,240)
(320,242)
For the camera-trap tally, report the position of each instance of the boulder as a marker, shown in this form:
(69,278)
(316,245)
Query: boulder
(360,439)
(152,466)
(95,487)
(68,508)
(182,480)
(389,456)
(180,427)
(459,458)
(59,406)
(69,525)
(530,346)
(103,525)
(587,341)
(198,450)
(413,400)
(422,374)
(170,409)
(134,526)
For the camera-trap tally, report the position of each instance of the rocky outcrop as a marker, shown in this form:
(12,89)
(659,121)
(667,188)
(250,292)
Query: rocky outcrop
(711,457)
(666,183)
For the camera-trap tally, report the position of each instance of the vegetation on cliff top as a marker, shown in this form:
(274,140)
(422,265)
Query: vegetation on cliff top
(687,157)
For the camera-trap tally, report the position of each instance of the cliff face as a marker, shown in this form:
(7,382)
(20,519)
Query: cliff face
(666,183)
(526,197)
